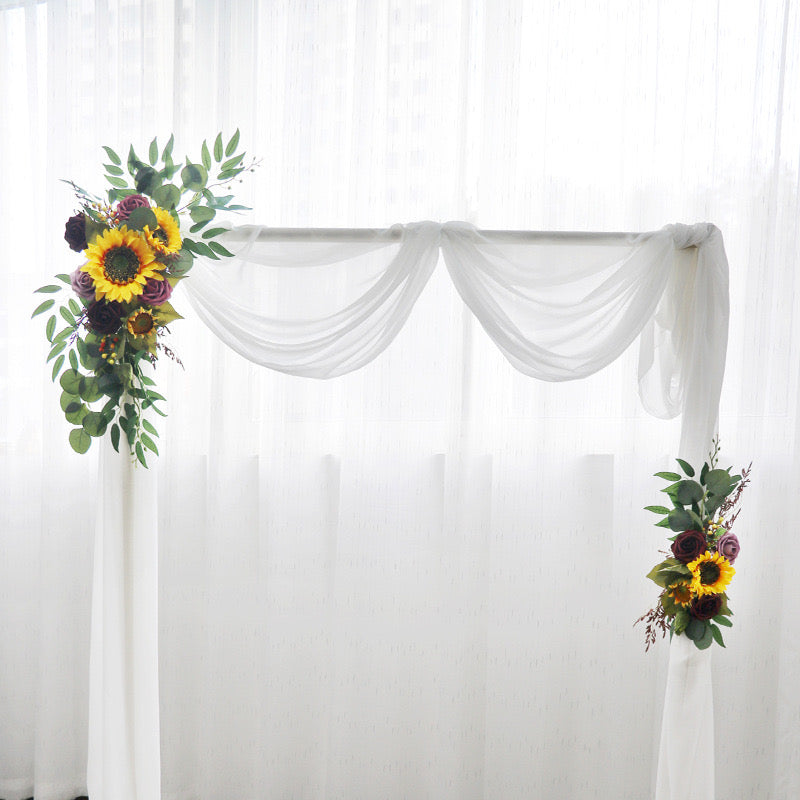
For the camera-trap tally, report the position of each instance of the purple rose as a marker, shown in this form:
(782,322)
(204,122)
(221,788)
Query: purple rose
(728,546)
(104,317)
(156,292)
(129,203)
(706,607)
(689,545)
(82,284)
(75,233)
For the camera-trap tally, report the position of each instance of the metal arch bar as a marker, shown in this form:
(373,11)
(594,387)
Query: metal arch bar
(267,234)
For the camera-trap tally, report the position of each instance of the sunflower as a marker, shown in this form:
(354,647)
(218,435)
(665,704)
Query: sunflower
(680,594)
(142,328)
(711,574)
(120,262)
(141,323)
(166,238)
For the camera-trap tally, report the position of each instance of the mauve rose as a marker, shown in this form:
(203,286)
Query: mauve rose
(103,317)
(706,607)
(156,292)
(82,284)
(129,203)
(75,233)
(688,545)
(728,546)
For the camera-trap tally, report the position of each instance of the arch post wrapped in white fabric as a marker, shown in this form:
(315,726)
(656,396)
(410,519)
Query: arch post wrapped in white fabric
(560,306)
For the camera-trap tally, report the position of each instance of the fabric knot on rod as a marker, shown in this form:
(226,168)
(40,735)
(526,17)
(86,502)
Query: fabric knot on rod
(691,235)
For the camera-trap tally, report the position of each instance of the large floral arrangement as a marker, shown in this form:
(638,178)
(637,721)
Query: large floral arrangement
(118,302)
(694,577)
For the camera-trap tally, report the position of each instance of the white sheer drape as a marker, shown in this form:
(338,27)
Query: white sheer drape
(416,579)
(559,307)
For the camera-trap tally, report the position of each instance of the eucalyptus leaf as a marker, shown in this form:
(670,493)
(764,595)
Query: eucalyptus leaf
(94,424)
(148,426)
(219,249)
(202,213)
(218,148)
(194,177)
(205,156)
(57,364)
(80,440)
(111,169)
(706,640)
(48,289)
(688,491)
(67,316)
(153,153)
(76,412)
(120,183)
(147,180)
(140,454)
(70,382)
(56,349)
(141,217)
(232,144)
(686,467)
(90,389)
(232,162)
(167,196)
(680,520)
(115,159)
(718,481)
(67,399)
(695,629)
(668,476)
(717,634)
(40,309)
(115,436)
(168,149)
(212,232)
(148,443)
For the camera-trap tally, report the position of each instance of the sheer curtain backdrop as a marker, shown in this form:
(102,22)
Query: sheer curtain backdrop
(418,579)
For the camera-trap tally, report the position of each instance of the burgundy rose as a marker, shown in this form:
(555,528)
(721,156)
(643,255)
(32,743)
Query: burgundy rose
(129,203)
(728,546)
(706,607)
(82,284)
(689,545)
(75,232)
(156,292)
(104,317)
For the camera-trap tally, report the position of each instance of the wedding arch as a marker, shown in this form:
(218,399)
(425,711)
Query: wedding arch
(560,306)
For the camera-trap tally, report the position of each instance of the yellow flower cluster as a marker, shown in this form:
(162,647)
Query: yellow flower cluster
(121,260)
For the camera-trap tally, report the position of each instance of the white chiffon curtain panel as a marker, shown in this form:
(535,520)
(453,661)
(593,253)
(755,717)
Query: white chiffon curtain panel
(417,578)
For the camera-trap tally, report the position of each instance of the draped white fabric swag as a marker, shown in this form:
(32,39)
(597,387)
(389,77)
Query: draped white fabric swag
(559,307)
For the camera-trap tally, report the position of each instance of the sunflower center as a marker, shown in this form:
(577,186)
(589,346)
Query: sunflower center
(160,235)
(709,573)
(141,324)
(121,265)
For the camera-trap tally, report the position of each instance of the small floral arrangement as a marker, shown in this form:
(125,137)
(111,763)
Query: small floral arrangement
(693,579)
(135,255)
